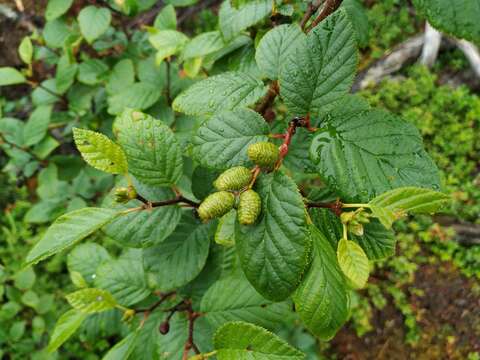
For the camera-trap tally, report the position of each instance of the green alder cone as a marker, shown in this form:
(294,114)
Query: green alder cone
(235,178)
(215,205)
(249,207)
(124,194)
(264,154)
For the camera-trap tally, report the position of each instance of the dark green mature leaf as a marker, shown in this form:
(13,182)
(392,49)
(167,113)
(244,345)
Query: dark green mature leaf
(363,153)
(226,91)
(321,69)
(321,299)
(359,19)
(10,76)
(274,252)
(233,298)
(181,257)
(85,259)
(232,21)
(377,241)
(125,279)
(222,141)
(144,228)
(65,327)
(123,349)
(458,18)
(139,96)
(37,125)
(153,154)
(91,300)
(94,21)
(69,229)
(275,48)
(239,340)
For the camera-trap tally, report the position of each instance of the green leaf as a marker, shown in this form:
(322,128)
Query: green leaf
(92,71)
(91,300)
(100,152)
(166,19)
(153,153)
(25,50)
(218,93)
(167,43)
(56,32)
(11,76)
(232,21)
(85,259)
(203,44)
(363,153)
(93,22)
(275,48)
(181,257)
(354,262)
(377,241)
(457,18)
(139,96)
(69,229)
(56,8)
(321,69)
(225,233)
(321,299)
(66,72)
(385,215)
(359,18)
(222,141)
(125,279)
(65,327)
(239,340)
(121,77)
(233,298)
(37,125)
(123,349)
(274,252)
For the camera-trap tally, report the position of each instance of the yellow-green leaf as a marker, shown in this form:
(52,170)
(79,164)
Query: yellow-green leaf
(354,262)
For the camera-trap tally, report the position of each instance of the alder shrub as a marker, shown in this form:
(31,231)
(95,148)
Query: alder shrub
(253,190)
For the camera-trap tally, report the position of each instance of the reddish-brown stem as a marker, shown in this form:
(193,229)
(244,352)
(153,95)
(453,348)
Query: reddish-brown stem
(255,172)
(335,207)
(329,7)
(180,199)
(311,9)
(156,304)
(268,99)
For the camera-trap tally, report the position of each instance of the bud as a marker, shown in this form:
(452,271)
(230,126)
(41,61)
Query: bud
(124,194)
(164,327)
(235,178)
(263,154)
(216,205)
(355,227)
(249,207)
(128,314)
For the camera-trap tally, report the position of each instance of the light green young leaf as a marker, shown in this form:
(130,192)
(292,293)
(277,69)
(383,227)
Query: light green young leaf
(37,125)
(66,72)
(222,141)
(361,153)
(25,50)
(100,152)
(226,91)
(11,76)
(91,300)
(139,96)
(56,8)
(354,262)
(232,21)
(123,349)
(225,233)
(274,253)
(56,32)
(239,340)
(203,44)
(94,21)
(192,66)
(166,19)
(385,215)
(321,69)
(65,327)
(167,43)
(233,298)
(321,299)
(69,229)
(275,48)
(153,154)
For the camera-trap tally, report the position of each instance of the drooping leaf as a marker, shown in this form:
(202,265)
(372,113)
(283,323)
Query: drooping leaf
(233,298)
(65,327)
(275,48)
(354,262)
(10,76)
(274,251)
(321,299)
(91,300)
(226,91)
(37,125)
(94,21)
(123,349)
(457,18)
(139,96)
(100,152)
(181,257)
(69,229)
(56,8)
(363,153)
(153,154)
(321,69)
(222,141)
(239,340)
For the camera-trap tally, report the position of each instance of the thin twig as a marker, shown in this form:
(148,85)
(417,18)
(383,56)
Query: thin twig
(329,7)
(311,9)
